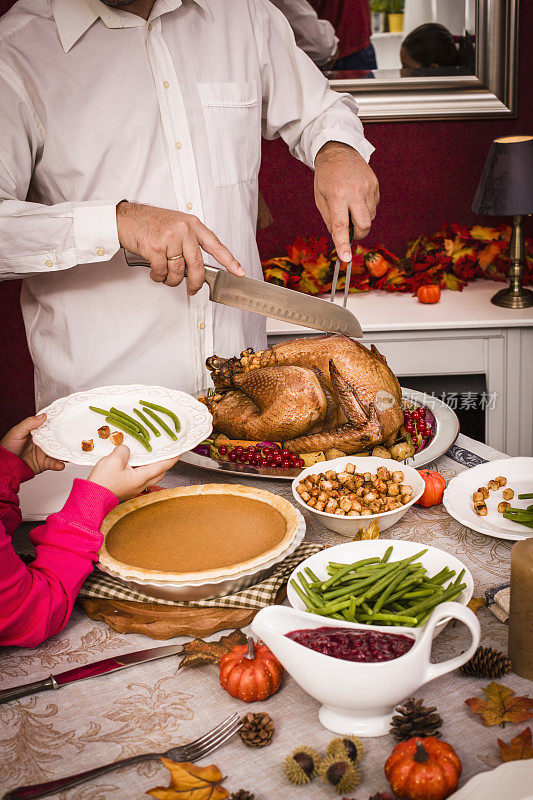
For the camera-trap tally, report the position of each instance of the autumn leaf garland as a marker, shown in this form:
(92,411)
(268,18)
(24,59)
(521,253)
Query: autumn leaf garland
(451,258)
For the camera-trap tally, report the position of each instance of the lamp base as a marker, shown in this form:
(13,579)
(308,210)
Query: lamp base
(507,298)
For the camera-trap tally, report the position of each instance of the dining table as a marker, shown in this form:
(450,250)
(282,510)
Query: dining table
(153,706)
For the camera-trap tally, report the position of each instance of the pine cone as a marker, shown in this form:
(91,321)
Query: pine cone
(242,794)
(257,729)
(414,719)
(487,663)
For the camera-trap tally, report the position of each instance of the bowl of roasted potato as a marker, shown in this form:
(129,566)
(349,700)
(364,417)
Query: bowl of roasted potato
(347,494)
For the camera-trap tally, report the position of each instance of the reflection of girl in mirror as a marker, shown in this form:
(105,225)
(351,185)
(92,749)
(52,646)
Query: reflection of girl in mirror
(433,45)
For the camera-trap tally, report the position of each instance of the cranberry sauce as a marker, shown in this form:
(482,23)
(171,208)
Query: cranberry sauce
(352,645)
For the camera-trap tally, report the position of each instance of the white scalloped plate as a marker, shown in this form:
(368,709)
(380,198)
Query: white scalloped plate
(512,781)
(458,501)
(70,420)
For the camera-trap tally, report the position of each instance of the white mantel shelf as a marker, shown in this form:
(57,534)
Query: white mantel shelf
(462,334)
(394,311)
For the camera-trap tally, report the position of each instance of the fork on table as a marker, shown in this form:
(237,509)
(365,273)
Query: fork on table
(192,751)
(348,273)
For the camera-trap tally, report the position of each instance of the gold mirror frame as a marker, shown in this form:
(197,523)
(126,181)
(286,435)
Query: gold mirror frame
(491,92)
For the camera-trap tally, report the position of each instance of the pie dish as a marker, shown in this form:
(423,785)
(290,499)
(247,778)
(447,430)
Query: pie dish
(177,592)
(196,534)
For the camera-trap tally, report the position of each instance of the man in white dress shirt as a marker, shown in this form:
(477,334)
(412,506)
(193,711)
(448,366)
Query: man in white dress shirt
(315,36)
(137,123)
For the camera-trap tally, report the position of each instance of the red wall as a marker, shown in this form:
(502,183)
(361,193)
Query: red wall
(428,173)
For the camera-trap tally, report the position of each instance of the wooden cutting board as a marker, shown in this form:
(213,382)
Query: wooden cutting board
(164,622)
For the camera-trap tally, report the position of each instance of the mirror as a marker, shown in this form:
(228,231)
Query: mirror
(460,64)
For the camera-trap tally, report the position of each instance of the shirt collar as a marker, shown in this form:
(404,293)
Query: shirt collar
(75,17)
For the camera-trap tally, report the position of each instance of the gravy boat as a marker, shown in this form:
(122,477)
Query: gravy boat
(359,697)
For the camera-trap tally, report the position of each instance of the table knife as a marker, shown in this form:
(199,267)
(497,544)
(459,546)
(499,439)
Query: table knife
(273,301)
(102,667)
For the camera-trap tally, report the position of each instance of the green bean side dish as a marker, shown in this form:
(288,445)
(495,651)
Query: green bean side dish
(376,591)
(137,430)
(524,516)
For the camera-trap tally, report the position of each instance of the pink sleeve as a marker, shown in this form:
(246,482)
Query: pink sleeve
(13,471)
(37,599)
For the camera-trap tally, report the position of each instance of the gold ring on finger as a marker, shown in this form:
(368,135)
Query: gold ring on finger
(174,258)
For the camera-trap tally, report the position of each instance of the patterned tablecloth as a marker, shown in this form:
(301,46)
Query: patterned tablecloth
(153,706)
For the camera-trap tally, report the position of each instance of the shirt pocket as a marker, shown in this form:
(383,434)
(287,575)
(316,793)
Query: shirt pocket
(232,115)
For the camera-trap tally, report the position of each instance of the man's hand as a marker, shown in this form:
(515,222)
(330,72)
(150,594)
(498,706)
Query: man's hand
(113,472)
(19,442)
(171,240)
(345,185)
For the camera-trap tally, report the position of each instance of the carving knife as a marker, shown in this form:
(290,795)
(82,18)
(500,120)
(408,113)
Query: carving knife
(102,667)
(273,301)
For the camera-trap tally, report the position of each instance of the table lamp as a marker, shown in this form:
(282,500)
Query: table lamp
(506,187)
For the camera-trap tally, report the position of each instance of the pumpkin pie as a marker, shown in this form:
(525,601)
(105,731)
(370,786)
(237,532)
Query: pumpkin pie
(196,533)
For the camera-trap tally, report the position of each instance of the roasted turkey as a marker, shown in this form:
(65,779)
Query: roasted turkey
(311,394)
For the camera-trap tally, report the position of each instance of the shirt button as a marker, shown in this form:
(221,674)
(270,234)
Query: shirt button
(48,263)
(188,206)
(149,26)
(178,145)
(201,325)
(100,251)
(166,84)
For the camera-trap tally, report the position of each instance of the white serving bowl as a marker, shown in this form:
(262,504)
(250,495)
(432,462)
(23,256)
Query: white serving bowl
(434,560)
(349,526)
(359,698)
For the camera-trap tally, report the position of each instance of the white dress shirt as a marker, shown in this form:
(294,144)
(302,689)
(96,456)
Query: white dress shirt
(98,105)
(315,36)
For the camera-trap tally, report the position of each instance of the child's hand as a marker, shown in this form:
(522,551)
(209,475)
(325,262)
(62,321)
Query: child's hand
(114,474)
(19,442)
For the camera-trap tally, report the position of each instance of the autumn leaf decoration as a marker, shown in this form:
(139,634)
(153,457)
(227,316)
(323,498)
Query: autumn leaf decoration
(518,748)
(199,652)
(500,706)
(189,782)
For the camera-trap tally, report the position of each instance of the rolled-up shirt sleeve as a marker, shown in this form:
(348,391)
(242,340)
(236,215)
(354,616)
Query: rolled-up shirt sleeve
(298,103)
(34,237)
(314,36)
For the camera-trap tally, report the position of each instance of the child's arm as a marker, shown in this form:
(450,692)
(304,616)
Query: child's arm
(13,471)
(37,600)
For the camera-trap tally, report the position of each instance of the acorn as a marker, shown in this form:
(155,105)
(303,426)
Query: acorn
(340,773)
(349,747)
(302,765)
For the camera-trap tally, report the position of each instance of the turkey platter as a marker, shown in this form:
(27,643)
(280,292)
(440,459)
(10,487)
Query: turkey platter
(311,394)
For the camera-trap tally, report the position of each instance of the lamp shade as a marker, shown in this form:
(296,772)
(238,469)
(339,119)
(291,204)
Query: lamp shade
(506,185)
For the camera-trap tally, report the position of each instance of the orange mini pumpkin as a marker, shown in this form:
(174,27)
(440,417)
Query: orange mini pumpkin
(435,486)
(250,672)
(376,263)
(428,294)
(423,769)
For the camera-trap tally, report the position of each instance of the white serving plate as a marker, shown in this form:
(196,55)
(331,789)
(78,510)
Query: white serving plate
(458,501)
(434,560)
(447,431)
(512,781)
(349,526)
(69,421)
(208,588)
